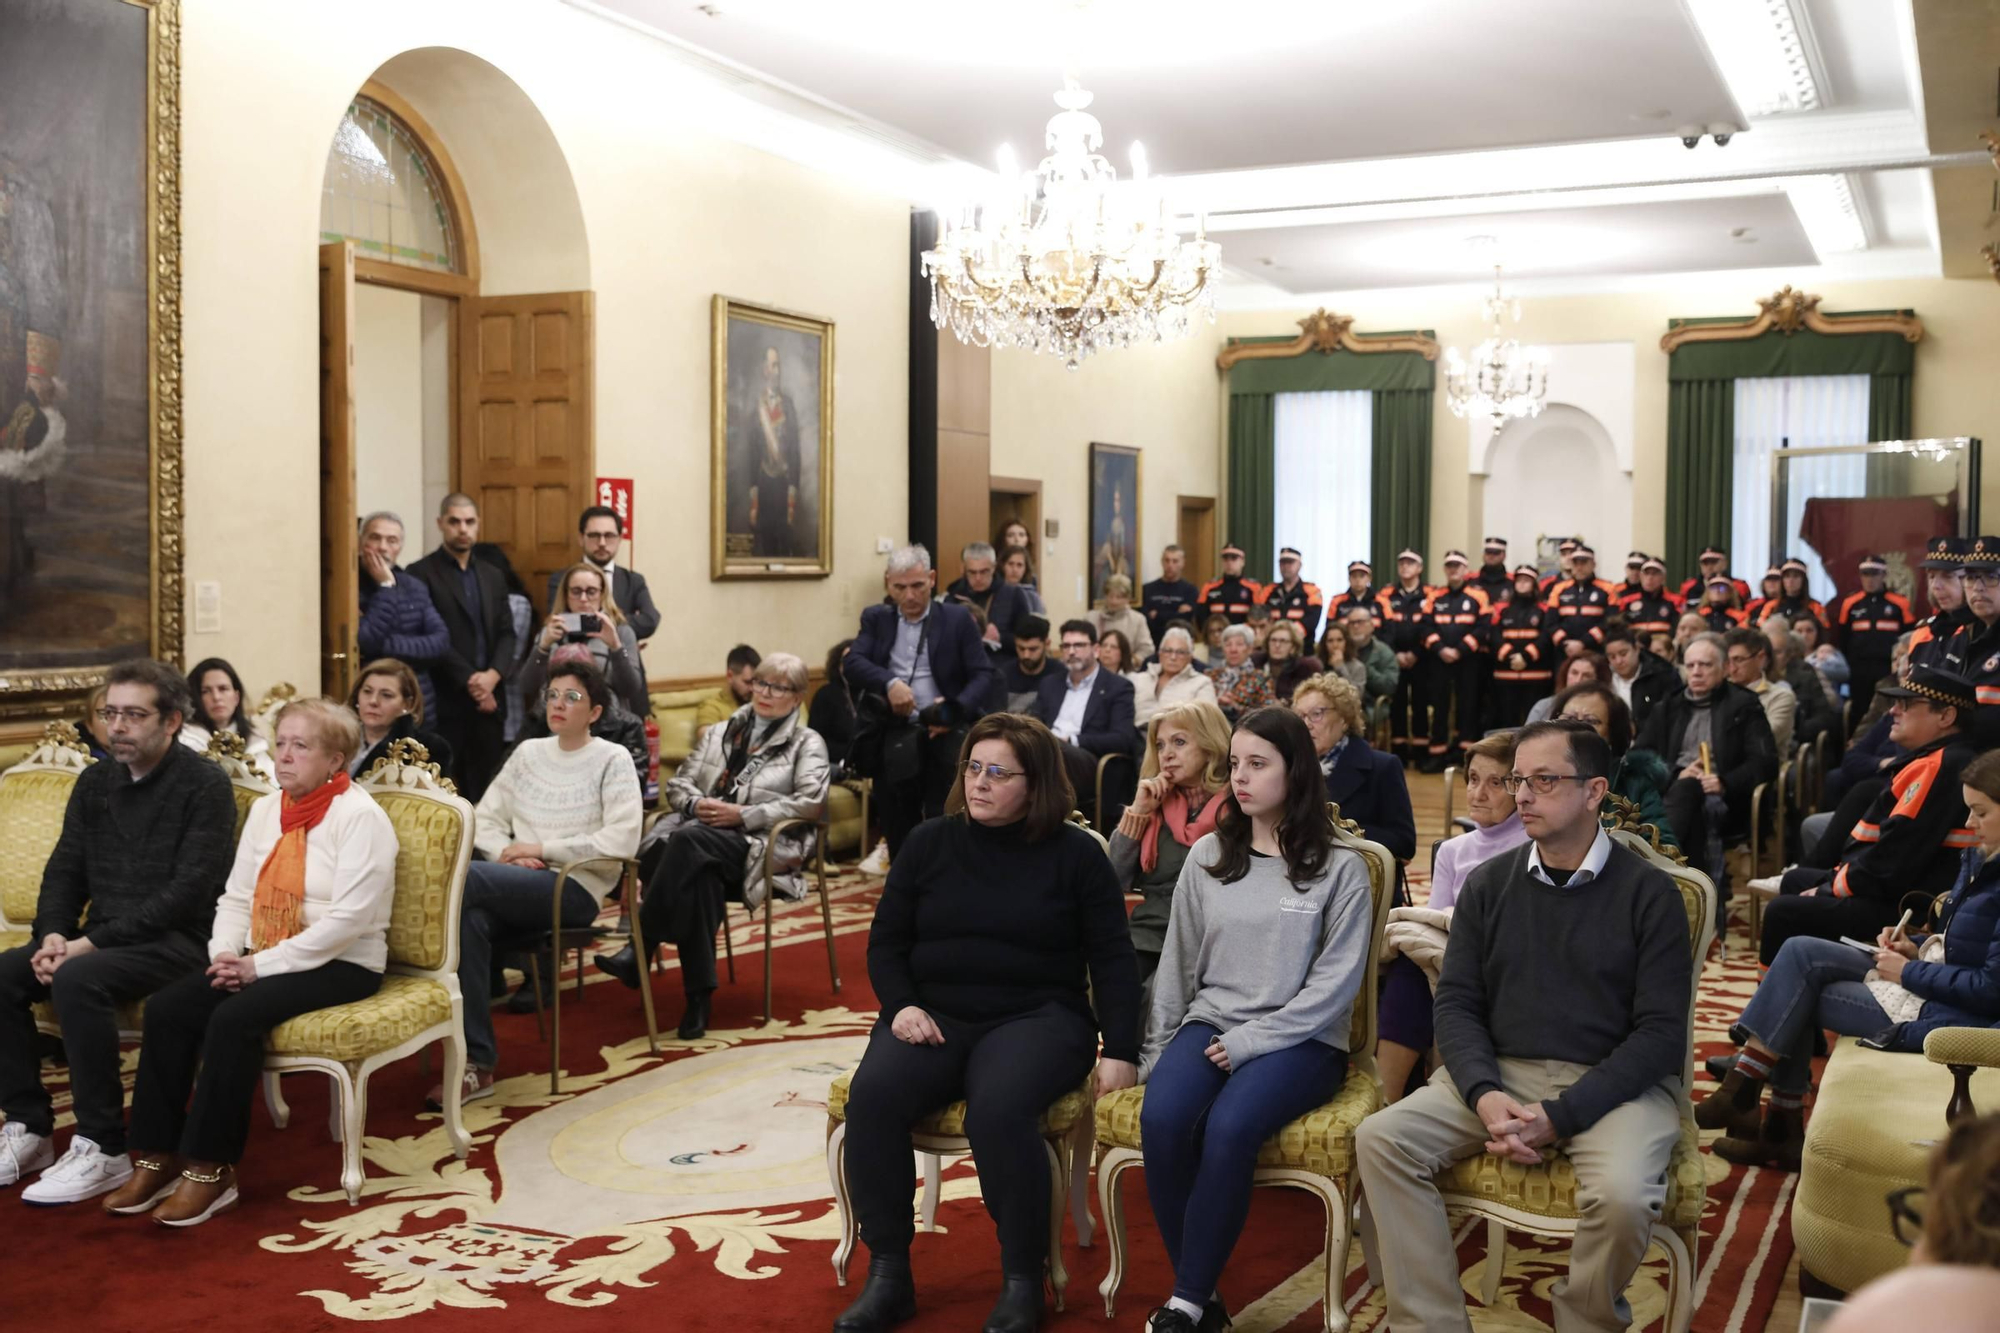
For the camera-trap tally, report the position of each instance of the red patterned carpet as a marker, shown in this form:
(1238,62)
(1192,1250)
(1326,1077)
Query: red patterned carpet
(689,1192)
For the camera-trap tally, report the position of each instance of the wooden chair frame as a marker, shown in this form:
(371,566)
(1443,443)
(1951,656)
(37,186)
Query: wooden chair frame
(629,875)
(777,831)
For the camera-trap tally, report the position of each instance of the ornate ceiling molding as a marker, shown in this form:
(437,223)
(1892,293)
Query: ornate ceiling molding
(1787,311)
(1325,333)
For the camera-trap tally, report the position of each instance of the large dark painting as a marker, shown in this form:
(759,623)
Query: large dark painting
(1114,515)
(89,427)
(772,420)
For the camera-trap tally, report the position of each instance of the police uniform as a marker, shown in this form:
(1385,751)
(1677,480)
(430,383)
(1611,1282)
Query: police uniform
(1402,622)
(1230,596)
(1453,619)
(1565,548)
(1788,606)
(1974,650)
(1519,626)
(1696,588)
(1651,612)
(1928,640)
(1622,593)
(1300,604)
(1163,602)
(1720,618)
(1579,607)
(1869,625)
(1370,596)
(1493,579)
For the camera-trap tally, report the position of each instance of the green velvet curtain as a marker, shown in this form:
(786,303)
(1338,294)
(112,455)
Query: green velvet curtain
(1400,509)
(1701,415)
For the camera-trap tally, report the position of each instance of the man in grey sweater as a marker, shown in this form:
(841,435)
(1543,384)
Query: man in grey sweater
(1562,1016)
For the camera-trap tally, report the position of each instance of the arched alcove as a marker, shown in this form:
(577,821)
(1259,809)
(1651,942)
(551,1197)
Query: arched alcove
(1559,473)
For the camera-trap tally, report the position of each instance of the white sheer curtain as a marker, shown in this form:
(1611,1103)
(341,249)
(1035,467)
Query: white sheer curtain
(1797,412)
(1322,479)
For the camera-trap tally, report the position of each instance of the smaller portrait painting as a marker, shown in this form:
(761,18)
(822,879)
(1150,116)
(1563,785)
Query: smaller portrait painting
(771,415)
(1114,515)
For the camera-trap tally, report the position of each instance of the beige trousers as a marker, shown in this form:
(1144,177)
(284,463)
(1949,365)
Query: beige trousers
(1621,1163)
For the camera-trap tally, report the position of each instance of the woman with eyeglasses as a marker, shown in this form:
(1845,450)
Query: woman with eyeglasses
(1253,1003)
(564,797)
(1638,775)
(1951,1218)
(1405,1027)
(1908,987)
(1367,784)
(761,767)
(1180,787)
(1241,686)
(587,614)
(1171,681)
(1286,662)
(999,955)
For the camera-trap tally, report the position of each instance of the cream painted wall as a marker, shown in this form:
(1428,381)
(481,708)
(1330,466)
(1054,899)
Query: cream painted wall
(671,215)
(1956,391)
(1166,400)
(389,405)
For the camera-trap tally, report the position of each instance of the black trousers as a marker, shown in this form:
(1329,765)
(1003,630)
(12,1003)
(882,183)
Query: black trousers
(1825,854)
(477,740)
(1865,673)
(1687,815)
(690,879)
(87,992)
(1007,1073)
(210,1043)
(1514,699)
(1454,697)
(904,805)
(1409,717)
(1821,916)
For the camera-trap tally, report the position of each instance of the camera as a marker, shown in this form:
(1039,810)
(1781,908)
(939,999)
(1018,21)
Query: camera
(580,625)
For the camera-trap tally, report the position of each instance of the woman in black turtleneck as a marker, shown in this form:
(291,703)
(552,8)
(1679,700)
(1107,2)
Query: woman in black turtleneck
(997,923)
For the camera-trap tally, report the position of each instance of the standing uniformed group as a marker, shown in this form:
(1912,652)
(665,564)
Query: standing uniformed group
(1478,651)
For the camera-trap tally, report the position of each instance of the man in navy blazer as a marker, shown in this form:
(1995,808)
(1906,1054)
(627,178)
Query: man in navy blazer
(1090,711)
(925,660)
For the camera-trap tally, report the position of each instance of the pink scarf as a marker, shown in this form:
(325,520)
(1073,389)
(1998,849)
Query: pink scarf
(1174,813)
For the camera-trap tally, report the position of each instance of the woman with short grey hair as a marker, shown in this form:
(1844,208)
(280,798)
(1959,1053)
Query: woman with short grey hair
(1240,684)
(1117,613)
(1171,680)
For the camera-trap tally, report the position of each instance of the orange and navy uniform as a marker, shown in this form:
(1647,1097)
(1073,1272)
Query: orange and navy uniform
(1697,588)
(1870,623)
(1929,640)
(1452,620)
(1231,596)
(1721,619)
(1915,830)
(1403,616)
(1648,614)
(1522,627)
(1372,598)
(1790,609)
(1301,605)
(1579,609)
(1974,652)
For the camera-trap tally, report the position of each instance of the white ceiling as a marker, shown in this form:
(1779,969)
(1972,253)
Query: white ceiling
(1356,143)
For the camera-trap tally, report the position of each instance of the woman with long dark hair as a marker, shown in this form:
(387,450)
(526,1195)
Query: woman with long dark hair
(1252,1003)
(219,704)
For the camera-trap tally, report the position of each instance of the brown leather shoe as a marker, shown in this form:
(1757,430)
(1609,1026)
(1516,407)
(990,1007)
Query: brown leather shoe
(153,1179)
(1733,1106)
(1780,1141)
(204,1191)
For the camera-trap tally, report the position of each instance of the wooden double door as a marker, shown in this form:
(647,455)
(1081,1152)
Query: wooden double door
(521,441)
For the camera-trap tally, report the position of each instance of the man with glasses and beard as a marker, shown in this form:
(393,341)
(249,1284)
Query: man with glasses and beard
(1562,1016)
(146,846)
(1090,712)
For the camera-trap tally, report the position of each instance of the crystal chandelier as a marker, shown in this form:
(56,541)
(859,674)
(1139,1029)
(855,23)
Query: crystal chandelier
(1504,380)
(1065,259)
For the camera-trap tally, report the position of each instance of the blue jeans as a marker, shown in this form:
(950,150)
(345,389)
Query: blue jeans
(503,901)
(1812,984)
(1202,1129)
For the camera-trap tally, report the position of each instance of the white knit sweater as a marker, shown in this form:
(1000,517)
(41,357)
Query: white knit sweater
(575,803)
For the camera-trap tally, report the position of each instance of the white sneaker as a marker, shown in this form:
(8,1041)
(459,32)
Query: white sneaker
(877,862)
(21,1153)
(84,1172)
(1767,885)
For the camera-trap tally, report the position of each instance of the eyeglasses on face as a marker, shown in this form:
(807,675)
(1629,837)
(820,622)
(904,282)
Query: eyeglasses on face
(1078,646)
(1981,578)
(771,687)
(1904,1218)
(133,715)
(973,768)
(1542,784)
(1312,717)
(565,696)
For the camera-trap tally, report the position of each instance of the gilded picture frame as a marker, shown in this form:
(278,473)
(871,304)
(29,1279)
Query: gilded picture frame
(1116,479)
(771,427)
(91,571)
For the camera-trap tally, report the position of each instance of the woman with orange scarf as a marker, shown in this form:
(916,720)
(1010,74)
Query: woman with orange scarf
(302,925)
(1186,768)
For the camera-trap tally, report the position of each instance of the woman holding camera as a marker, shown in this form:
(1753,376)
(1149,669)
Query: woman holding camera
(585,613)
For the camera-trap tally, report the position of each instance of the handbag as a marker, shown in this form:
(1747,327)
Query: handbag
(888,748)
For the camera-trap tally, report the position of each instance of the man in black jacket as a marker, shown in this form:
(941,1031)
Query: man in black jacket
(603,532)
(999,601)
(471,595)
(930,677)
(146,847)
(1741,752)
(1090,711)
(1170,596)
(1562,1016)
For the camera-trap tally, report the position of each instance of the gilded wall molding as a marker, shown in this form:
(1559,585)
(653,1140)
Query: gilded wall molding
(1325,333)
(1787,311)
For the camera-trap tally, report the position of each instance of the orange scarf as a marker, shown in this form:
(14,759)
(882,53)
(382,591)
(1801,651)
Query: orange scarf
(278,911)
(1173,813)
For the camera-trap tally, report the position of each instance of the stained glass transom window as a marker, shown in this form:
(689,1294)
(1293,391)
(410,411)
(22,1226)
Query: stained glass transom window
(383,191)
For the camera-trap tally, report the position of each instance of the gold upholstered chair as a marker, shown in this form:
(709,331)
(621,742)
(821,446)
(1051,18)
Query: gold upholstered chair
(1314,1153)
(419,1001)
(1541,1200)
(1065,1138)
(34,795)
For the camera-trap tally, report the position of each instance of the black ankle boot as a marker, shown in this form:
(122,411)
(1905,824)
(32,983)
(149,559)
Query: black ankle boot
(887,1299)
(694,1023)
(1019,1309)
(624,965)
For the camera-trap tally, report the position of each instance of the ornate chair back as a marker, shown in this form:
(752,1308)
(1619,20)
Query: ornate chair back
(433,848)
(34,796)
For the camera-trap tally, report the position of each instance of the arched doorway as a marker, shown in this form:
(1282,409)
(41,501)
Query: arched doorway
(456,327)
(1554,475)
